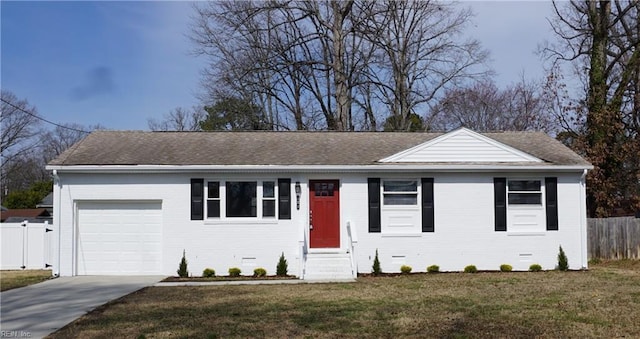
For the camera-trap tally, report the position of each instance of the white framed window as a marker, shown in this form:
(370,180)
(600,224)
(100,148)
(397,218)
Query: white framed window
(268,199)
(400,206)
(232,199)
(524,192)
(213,199)
(400,193)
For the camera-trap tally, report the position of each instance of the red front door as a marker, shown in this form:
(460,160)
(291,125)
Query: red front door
(324,214)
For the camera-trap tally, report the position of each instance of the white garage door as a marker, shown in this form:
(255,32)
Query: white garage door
(121,238)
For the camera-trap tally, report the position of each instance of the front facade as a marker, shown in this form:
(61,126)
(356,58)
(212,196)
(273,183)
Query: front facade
(132,202)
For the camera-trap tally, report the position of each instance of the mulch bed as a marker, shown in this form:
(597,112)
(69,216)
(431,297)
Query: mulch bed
(228,278)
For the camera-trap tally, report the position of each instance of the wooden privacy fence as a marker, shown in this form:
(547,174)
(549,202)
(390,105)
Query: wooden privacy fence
(614,238)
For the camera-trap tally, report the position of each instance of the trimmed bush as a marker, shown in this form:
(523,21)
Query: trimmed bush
(283,267)
(259,272)
(563,261)
(234,272)
(405,269)
(433,269)
(182,271)
(375,269)
(506,268)
(470,269)
(209,273)
(535,268)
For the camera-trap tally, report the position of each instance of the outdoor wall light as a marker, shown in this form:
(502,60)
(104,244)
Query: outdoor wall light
(298,192)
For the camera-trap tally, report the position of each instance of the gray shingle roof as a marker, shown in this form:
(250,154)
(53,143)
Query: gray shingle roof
(278,148)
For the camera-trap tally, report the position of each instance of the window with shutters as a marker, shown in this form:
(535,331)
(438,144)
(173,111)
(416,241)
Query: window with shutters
(400,210)
(237,199)
(525,206)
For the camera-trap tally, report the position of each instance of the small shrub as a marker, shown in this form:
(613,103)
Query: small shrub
(535,268)
(470,269)
(259,272)
(375,269)
(405,269)
(563,261)
(433,269)
(182,271)
(234,272)
(283,267)
(209,273)
(506,268)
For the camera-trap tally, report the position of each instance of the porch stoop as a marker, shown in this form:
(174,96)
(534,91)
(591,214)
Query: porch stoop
(328,267)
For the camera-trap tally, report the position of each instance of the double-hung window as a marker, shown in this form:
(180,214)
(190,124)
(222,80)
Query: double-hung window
(525,192)
(213,199)
(400,193)
(241,199)
(268,199)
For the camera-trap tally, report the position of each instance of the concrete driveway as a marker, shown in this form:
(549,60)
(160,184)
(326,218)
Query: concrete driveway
(38,310)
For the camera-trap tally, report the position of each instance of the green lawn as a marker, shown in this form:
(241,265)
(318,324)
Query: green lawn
(603,302)
(15,279)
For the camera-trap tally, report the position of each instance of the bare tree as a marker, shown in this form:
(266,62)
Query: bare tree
(290,56)
(485,107)
(334,64)
(603,38)
(421,53)
(19,138)
(62,137)
(20,124)
(178,119)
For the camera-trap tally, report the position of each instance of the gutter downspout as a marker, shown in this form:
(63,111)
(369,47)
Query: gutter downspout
(583,219)
(56,216)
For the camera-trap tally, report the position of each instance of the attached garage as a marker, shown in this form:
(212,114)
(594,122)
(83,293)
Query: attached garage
(119,238)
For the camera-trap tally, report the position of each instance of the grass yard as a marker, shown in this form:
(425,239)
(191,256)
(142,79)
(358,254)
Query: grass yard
(15,279)
(603,302)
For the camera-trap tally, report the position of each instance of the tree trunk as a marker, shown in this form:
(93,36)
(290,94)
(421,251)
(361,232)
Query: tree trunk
(343,101)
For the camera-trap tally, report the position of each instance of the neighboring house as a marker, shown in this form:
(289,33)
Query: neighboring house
(22,214)
(131,202)
(47,203)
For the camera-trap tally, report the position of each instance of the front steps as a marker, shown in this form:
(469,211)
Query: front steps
(328,266)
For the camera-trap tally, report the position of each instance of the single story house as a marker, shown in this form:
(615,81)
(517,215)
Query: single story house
(132,202)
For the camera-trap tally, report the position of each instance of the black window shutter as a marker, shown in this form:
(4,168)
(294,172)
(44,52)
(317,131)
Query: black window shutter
(500,203)
(284,199)
(197,199)
(374,205)
(427,205)
(551,194)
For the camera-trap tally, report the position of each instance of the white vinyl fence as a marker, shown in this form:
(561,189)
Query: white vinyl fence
(26,245)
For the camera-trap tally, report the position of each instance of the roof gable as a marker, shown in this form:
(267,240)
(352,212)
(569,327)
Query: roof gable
(461,145)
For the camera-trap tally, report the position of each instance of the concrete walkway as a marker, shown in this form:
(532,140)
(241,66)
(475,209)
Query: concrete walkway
(38,310)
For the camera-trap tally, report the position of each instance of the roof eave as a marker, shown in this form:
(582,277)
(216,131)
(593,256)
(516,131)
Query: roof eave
(316,168)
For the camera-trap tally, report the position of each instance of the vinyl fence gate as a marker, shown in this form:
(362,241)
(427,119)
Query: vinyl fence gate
(26,245)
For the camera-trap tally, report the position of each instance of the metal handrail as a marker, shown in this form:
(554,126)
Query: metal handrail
(353,239)
(302,239)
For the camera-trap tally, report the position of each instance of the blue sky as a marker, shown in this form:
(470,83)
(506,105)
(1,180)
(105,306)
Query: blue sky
(120,63)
